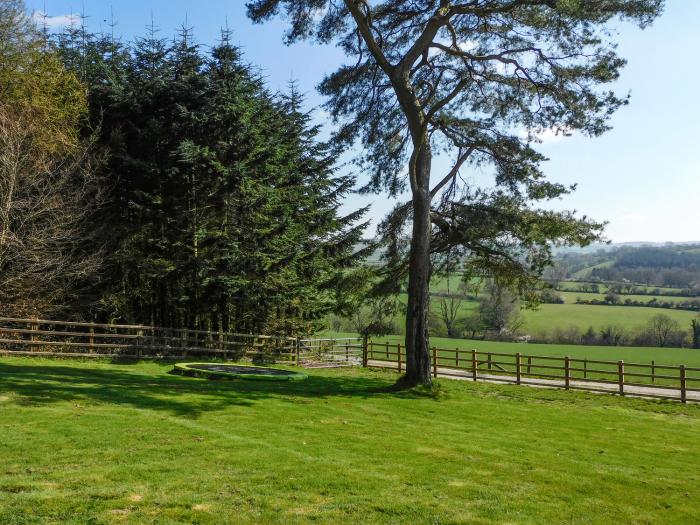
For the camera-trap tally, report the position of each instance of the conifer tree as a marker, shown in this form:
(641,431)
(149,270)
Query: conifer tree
(223,208)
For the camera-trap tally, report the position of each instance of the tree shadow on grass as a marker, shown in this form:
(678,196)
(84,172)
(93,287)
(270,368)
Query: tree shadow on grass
(39,383)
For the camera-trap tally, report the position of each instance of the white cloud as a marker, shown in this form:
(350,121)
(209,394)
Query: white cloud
(53,22)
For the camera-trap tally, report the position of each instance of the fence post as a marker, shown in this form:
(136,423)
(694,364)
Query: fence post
(517,368)
(347,352)
(529,364)
(91,340)
(434,362)
(567,372)
(474,365)
(140,340)
(32,337)
(386,351)
(297,344)
(398,355)
(488,358)
(621,376)
(683,385)
(653,371)
(585,368)
(365,350)
(456,357)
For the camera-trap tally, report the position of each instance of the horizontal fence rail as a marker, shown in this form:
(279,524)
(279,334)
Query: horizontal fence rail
(48,337)
(618,377)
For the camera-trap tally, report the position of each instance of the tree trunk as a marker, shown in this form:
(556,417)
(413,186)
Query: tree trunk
(417,342)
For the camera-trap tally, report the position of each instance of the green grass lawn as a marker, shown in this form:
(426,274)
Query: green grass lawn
(96,442)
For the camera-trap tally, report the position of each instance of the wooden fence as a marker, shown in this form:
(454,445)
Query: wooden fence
(320,353)
(61,338)
(49,337)
(624,378)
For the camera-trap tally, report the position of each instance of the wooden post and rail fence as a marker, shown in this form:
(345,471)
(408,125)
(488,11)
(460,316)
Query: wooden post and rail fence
(76,339)
(653,380)
(37,337)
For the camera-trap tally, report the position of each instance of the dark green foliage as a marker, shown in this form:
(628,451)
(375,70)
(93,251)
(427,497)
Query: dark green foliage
(695,332)
(222,210)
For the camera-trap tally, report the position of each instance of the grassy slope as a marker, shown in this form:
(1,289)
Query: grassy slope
(98,443)
(585,272)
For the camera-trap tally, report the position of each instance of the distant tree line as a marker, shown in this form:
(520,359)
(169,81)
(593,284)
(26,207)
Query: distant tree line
(612,299)
(669,266)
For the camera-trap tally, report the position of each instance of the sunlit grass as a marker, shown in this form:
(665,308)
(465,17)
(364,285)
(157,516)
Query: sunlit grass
(96,442)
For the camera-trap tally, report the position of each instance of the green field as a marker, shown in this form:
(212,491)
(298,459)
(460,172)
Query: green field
(548,317)
(96,442)
(572,296)
(585,272)
(551,316)
(573,286)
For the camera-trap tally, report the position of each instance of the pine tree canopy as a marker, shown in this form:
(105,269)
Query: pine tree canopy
(476,81)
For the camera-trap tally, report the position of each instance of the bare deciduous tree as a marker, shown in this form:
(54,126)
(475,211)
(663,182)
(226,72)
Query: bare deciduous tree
(43,209)
(662,328)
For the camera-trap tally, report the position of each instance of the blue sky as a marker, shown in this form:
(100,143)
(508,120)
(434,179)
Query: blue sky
(643,176)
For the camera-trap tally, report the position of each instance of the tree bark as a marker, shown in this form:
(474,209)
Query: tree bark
(417,341)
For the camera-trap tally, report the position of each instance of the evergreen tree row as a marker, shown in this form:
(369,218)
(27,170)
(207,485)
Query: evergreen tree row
(221,201)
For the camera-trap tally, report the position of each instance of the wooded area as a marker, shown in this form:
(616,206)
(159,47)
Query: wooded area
(153,182)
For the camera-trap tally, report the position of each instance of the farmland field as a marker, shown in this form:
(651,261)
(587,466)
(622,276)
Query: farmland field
(573,286)
(98,442)
(550,316)
(572,296)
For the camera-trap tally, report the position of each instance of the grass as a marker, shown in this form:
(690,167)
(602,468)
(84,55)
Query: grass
(573,286)
(549,316)
(98,442)
(585,272)
(572,296)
